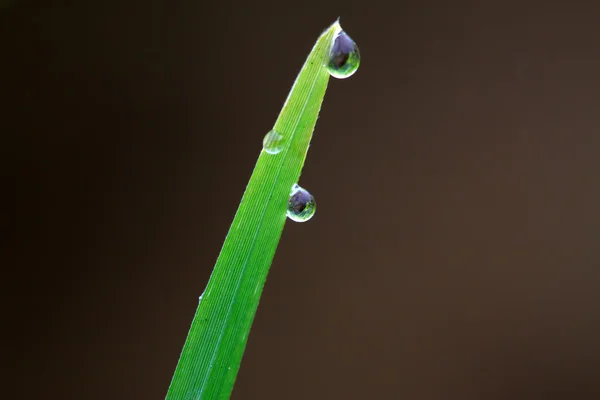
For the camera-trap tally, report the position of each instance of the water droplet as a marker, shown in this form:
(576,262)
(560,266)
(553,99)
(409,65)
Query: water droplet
(273,142)
(344,57)
(301,205)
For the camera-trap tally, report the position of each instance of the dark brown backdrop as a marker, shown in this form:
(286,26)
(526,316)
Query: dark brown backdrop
(454,253)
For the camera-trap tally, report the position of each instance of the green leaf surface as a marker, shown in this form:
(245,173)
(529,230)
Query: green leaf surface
(212,353)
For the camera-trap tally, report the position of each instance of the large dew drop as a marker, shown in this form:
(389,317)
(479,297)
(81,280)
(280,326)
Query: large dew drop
(273,142)
(301,205)
(344,57)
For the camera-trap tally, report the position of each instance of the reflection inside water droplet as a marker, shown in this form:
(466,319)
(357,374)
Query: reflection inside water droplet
(301,205)
(344,57)
(273,142)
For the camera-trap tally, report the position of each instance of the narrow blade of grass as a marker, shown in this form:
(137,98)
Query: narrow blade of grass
(216,341)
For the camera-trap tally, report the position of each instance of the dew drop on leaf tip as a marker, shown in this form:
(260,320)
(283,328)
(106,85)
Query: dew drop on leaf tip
(301,205)
(344,57)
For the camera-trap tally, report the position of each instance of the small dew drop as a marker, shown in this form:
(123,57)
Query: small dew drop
(273,142)
(344,57)
(301,205)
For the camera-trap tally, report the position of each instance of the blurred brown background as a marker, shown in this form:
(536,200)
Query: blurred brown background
(454,253)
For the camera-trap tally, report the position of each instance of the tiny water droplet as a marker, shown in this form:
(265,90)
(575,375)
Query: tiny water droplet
(273,142)
(344,57)
(301,205)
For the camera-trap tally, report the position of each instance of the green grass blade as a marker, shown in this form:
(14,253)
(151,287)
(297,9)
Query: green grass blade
(216,341)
